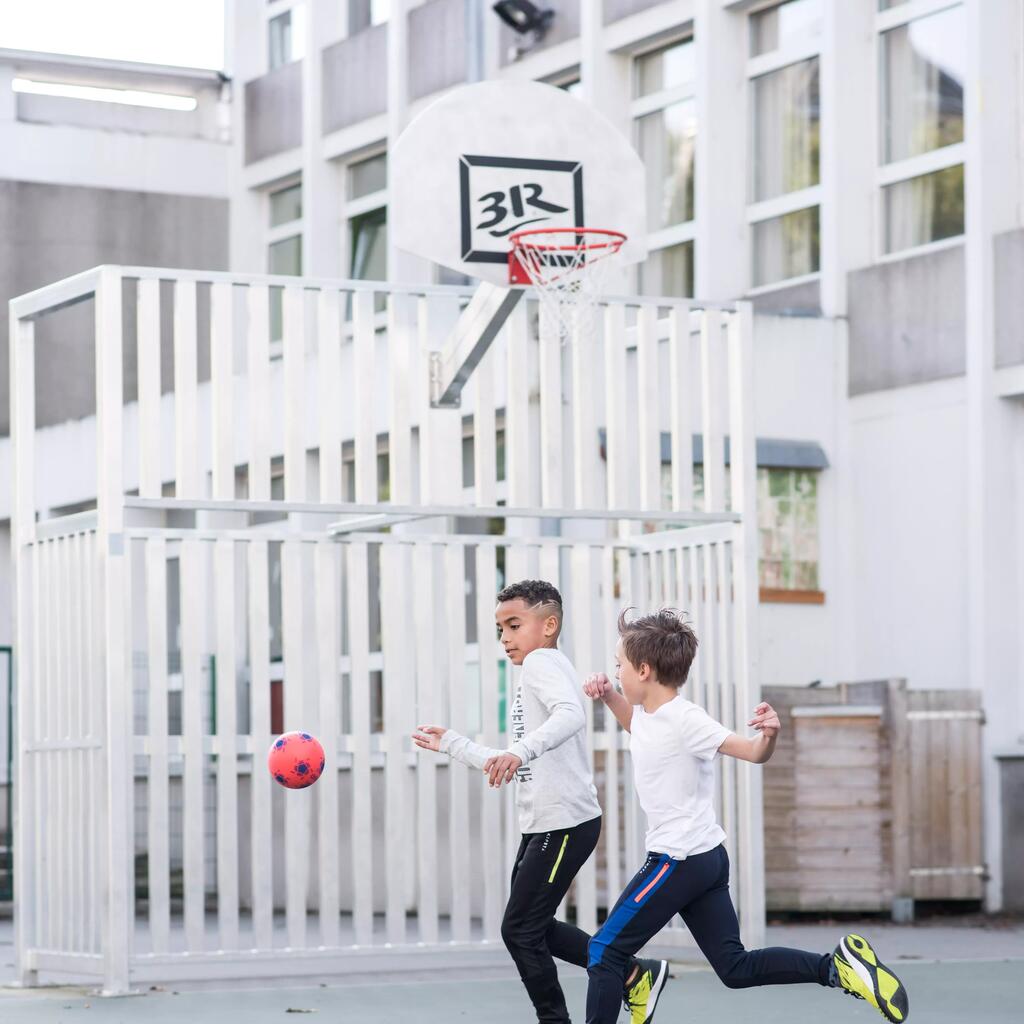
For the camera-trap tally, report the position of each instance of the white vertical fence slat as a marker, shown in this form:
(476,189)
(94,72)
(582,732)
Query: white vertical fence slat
(458,789)
(259,737)
(680,384)
(585,447)
(428,712)
(328,584)
(365,405)
(633,586)
(148,347)
(158,813)
(401,339)
(295,399)
(359,676)
(649,438)
(329,401)
(395,616)
(615,407)
(227,743)
(490,810)
(191,565)
(222,383)
(80,800)
(258,377)
(59,641)
(485,456)
(34,698)
(518,472)
(552,470)
(612,730)
(712,362)
(729,714)
(98,731)
(186,392)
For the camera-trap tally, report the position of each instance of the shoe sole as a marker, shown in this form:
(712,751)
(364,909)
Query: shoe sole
(874,975)
(659,984)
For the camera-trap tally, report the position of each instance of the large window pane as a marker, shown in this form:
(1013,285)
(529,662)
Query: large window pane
(924,209)
(367,176)
(369,246)
(364,13)
(285,257)
(286,37)
(923,85)
(786,113)
(285,205)
(786,247)
(666,140)
(668,272)
(774,29)
(665,69)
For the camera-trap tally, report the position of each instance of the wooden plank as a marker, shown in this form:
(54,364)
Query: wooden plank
(258,378)
(485,457)
(396,613)
(329,384)
(186,396)
(222,389)
(148,356)
(295,400)
(552,468)
(458,793)
(615,407)
(259,728)
(158,812)
(193,814)
(227,743)
(681,377)
(648,426)
(428,709)
(327,582)
(401,341)
(519,470)
(587,468)
(359,675)
(364,341)
(611,801)
(712,365)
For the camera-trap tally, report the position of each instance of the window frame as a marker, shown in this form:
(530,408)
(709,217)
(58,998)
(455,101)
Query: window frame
(897,171)
(684,231)
(273,10)
(352,208)
(803,48)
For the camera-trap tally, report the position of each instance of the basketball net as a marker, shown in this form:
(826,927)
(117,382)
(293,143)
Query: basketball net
(567,267)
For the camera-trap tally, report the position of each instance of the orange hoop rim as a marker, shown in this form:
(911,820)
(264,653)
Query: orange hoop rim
(613,240)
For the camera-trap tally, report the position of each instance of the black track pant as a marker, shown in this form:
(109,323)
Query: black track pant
(698,890)
(545,866)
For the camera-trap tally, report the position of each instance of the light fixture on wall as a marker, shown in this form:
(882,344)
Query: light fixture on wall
(526,19)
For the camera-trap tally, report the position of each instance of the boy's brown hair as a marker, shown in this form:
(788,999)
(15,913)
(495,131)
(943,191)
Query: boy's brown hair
(662,640)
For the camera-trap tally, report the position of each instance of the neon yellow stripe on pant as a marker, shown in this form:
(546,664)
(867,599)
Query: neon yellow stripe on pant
(561,853)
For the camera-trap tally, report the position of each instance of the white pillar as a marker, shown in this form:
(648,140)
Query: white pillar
(992,114)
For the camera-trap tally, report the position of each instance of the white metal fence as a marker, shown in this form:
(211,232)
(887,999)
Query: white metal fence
(150,840)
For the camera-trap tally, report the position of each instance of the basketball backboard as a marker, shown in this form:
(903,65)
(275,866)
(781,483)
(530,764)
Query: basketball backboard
(497,157)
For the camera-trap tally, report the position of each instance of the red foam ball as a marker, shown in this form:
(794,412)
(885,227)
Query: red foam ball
(296,760)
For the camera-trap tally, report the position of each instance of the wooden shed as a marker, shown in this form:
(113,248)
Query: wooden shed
(873,798)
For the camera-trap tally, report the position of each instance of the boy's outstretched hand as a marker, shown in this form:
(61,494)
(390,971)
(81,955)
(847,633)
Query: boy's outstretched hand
(766,720)
(597,685)
(501,769)
(428,737)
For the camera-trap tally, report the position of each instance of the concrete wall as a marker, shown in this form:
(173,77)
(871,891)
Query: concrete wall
(354,78)
(616,9)
(908,457)
(907,321)
(48,232)
(273,112)
(566,25)
(1009,311)
(798,299)
(437,46)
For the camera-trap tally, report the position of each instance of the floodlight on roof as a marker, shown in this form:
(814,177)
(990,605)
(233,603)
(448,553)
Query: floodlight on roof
(522,16)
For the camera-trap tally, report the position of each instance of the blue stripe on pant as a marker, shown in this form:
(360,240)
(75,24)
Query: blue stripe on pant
(698,890)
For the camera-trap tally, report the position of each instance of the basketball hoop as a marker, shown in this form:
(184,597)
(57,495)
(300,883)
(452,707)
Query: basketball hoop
(567,267)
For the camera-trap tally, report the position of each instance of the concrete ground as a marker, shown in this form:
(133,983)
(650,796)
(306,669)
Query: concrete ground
(955,972)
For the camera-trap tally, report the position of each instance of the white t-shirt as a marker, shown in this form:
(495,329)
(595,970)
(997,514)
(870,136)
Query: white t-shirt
(673,754)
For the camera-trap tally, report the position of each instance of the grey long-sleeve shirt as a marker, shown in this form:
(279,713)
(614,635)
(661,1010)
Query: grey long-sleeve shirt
(555,784)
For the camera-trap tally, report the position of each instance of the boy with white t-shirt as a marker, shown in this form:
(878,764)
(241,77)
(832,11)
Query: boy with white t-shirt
(673,744)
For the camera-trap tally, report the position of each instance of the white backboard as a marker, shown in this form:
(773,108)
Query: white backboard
(493,158)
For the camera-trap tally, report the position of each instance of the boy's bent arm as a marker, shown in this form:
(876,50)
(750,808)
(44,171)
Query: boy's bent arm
(758,749)
(565,712)
(619,707)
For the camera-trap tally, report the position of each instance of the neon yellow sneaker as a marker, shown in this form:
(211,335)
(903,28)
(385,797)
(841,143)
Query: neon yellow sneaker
(862,974)
(641,997)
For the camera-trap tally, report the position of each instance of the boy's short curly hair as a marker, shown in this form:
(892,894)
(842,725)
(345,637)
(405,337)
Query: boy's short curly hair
(662,640)
(537,594)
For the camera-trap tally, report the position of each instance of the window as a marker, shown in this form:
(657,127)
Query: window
(787,510)
(286,37)
(921,64)
(363,14)
(665,131)
(366,220)
(284,245)
(785,133)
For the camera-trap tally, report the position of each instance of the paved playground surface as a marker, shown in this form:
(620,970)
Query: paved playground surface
(953,973)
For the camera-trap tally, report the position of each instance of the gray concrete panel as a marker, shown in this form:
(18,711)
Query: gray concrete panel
(1011,792)
(355,78)
(48,232)
(907,321)
(1009,297)
(437,46)
(616,9)
(796,300)
(566,25)
(273,112)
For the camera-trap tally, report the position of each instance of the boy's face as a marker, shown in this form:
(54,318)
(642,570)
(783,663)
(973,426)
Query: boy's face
(636,682)
(522,629)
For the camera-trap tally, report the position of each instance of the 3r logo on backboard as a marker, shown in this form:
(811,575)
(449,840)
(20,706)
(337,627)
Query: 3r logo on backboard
(502,195)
